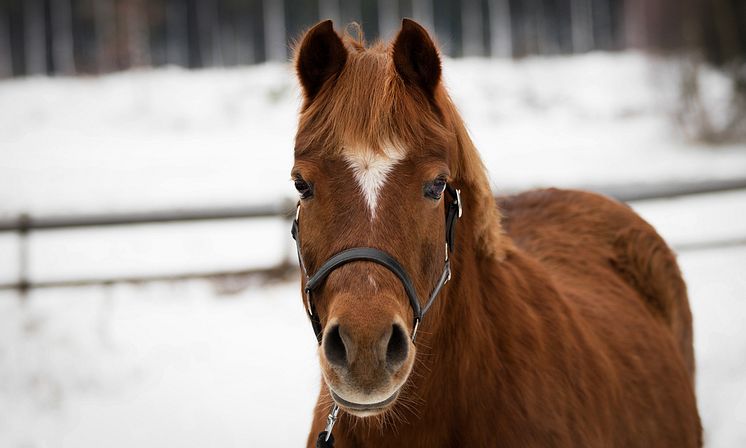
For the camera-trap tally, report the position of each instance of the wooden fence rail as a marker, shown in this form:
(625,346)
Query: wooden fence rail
(25,224)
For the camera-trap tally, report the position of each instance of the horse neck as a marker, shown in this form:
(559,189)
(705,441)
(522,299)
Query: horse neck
(466,306)
(478,307)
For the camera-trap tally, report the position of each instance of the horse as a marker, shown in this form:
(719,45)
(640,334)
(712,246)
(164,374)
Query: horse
(565,321)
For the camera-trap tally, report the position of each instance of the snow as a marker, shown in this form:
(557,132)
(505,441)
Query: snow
(157,365)
(172,138)
(701,218)
(182,363)
(178,365)
(716,285)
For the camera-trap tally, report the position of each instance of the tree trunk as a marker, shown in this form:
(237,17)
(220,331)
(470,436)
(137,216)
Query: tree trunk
(603,16)
(351,12)
(35,37)
(582,25)
(105,30)
(6,57)
(245,40)
(329,9)
(63,56)
(501,37)
(471,26)
(274,30)
(422,11)
(176,33)
(209,36)
(388,18)
(228,40)
(138,34)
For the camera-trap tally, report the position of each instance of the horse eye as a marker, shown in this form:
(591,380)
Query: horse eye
(304,188)
(434,189)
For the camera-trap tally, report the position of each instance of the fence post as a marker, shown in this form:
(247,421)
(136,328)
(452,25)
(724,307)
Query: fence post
(24,225)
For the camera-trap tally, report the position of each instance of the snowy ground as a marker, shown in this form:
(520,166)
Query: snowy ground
(170,138)
(180,364)
(177,365)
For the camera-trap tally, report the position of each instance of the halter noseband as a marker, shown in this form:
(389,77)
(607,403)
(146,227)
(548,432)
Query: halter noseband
(384,259)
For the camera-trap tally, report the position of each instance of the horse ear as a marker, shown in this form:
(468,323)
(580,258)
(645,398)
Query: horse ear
(321,56)
(415,57)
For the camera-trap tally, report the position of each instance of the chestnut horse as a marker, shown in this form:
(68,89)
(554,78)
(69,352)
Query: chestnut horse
(566,321)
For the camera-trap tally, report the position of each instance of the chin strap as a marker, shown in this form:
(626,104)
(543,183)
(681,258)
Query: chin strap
(453,213)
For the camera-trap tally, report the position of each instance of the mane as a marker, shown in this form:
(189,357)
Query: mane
(369,106)
(471,175)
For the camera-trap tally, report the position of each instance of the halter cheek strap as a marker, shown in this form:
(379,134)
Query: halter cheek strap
(384,259)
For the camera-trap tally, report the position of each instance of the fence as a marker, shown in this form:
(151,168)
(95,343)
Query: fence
(25,224)
(98,36)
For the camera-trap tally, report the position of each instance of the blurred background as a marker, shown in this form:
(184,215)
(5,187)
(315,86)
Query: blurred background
(148,288)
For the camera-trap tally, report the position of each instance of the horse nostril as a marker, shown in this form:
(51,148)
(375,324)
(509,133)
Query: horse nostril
(398,347)
(334,347)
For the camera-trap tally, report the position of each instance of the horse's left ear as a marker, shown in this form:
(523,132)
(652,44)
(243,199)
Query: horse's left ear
(416,58)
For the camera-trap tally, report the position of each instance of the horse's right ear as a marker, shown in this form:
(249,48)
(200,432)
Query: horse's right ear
(321,56)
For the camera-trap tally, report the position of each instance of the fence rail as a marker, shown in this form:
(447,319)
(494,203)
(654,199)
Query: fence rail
(25,224)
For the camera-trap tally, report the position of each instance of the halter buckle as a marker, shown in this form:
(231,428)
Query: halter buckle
(458,201)
(416,326)
(308,303)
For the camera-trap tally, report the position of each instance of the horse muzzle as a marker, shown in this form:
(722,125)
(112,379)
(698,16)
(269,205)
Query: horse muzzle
(365,370)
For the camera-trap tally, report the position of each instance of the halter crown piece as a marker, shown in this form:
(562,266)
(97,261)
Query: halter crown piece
(325,439)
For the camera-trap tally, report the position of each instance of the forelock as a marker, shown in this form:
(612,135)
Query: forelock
(369,106)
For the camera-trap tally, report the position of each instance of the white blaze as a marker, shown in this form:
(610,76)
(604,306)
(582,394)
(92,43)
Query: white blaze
(370,170)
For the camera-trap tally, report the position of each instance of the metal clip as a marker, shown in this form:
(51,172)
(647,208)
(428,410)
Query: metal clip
(331,419)
(308,303)
(458,200)
(414,330)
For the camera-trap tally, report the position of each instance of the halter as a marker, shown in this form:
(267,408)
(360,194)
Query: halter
(384,259)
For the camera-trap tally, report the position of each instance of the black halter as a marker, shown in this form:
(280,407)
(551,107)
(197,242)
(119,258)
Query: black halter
(385,260)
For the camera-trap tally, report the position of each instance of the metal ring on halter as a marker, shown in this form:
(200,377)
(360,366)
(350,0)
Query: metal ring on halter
(331,419)
(458,201)
(308,303)
(414,330)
